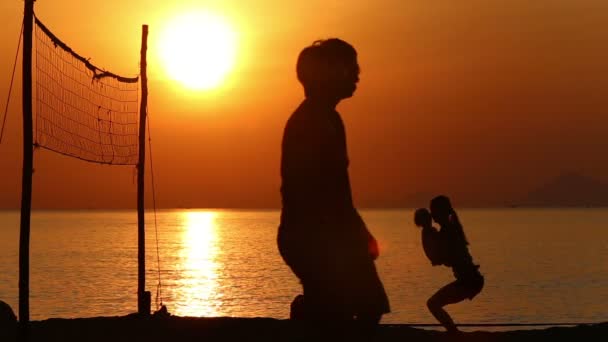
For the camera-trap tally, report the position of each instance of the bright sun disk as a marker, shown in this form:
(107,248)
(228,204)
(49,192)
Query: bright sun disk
(198,50)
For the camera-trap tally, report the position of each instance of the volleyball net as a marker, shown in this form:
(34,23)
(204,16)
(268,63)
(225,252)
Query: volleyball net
(82,111)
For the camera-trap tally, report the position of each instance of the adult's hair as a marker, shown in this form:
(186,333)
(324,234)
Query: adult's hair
(317,63)
(442,203)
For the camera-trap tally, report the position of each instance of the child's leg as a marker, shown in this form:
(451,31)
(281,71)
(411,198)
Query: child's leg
(452,293)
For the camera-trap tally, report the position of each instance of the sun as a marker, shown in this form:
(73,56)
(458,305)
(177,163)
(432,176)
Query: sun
(198,50)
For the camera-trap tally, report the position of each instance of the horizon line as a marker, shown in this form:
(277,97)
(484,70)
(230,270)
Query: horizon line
(245,208)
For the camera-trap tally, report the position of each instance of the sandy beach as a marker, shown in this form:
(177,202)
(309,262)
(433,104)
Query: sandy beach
(133,328)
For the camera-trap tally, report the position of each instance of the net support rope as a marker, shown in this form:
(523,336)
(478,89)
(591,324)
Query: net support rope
(10,88)
(159,298)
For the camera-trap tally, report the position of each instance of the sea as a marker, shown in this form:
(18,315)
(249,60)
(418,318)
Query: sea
(540,265)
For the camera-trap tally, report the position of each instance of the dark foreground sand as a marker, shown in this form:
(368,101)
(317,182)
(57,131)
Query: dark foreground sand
(152,329)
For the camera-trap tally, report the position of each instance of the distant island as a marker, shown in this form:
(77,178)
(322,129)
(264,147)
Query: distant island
(567,190)
(570,189)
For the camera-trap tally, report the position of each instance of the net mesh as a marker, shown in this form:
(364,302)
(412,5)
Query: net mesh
(83,111)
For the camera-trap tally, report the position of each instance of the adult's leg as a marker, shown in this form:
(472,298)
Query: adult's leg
(296,311)
(369,298)
(452,293)
(366,326)
(324,317)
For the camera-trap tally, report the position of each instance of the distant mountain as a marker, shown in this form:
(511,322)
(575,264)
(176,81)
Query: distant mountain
(568,190)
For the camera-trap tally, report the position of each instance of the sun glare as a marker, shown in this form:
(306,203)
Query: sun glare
(198,50)
(197,290)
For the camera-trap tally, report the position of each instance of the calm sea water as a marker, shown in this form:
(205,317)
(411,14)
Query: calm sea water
(541,265)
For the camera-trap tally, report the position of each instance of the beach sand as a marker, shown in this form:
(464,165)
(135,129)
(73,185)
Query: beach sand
(172,328)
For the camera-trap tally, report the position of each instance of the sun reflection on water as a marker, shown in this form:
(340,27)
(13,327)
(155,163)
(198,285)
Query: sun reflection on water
(199,283)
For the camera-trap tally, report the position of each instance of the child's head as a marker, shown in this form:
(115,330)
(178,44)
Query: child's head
(441,209)
(422,218)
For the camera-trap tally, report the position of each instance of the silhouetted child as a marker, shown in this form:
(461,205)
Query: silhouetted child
(452,251)
(431,240)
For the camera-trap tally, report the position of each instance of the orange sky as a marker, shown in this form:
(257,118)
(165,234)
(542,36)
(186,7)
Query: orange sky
(481,100)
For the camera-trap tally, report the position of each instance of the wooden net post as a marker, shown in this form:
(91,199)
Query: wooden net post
(26,180)
(143,297)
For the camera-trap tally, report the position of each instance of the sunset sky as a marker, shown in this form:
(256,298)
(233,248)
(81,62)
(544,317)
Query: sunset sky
(482,100)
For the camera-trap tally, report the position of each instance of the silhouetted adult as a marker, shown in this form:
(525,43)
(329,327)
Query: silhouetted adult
(321,236)
(453,253)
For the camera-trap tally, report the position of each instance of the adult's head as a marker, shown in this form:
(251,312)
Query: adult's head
(444,214)
(328,69)
(441,209)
